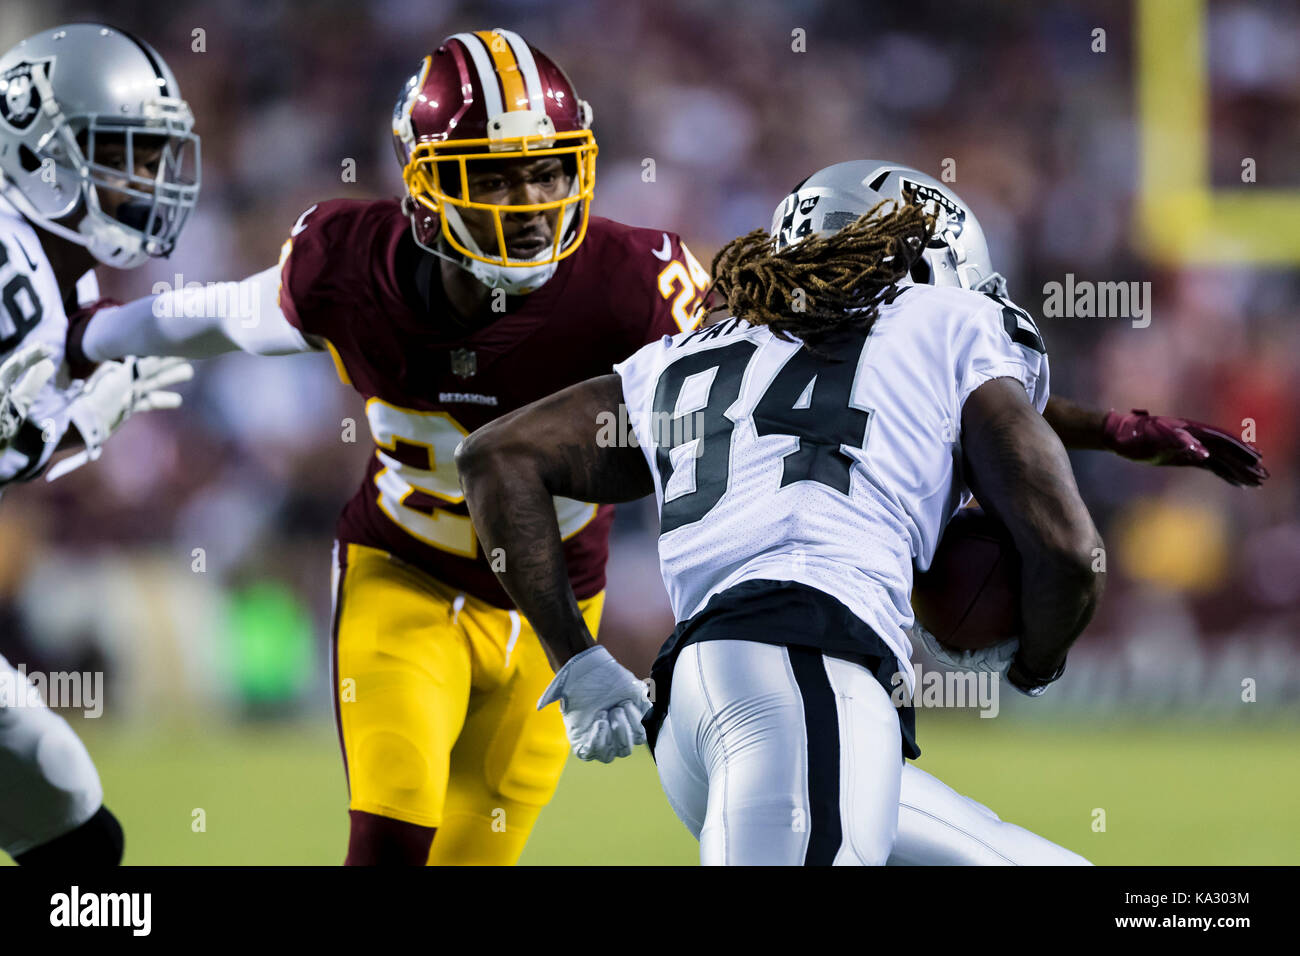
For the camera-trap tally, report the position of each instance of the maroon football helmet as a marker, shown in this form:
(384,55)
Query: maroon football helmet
(491,96)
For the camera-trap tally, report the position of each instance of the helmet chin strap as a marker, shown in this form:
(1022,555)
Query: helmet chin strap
(494,277)
(111,244)
(515,280)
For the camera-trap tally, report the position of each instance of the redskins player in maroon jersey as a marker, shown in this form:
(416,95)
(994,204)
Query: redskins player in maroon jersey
(489,286)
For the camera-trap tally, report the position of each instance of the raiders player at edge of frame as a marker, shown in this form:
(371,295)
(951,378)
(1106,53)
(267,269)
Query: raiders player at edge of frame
(91,131)
(727,527)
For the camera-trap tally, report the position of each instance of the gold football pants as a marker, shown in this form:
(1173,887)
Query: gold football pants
(435,695)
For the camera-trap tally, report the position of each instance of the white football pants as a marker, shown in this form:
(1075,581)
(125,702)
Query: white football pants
(48,783)
(937,826)
(773,755)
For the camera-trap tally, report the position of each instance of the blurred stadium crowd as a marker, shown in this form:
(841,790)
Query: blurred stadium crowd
(191,561)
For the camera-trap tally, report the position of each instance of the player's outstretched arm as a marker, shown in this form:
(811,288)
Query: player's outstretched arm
(1156,440)
(198,322)
(1018,469)
(1078,426)
(509,470)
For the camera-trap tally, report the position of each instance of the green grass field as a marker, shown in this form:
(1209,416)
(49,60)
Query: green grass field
(1172,793)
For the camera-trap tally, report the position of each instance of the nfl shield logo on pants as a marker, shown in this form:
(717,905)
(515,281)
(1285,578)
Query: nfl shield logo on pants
(464,363)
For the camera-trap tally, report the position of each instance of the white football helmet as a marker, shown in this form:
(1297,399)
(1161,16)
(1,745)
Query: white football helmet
(68,90)
(831,198)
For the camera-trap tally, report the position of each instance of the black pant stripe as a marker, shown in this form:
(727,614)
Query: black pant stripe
(822,727)
(342,550)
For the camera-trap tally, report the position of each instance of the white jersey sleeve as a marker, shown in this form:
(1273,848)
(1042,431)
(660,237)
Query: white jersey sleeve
(837,469)
(1000,340)
(199,321)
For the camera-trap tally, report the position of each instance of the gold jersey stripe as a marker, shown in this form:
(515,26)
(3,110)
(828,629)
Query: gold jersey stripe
(338,363)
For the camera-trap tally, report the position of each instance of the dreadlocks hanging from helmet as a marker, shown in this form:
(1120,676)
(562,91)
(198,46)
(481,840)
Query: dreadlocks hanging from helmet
(821,284)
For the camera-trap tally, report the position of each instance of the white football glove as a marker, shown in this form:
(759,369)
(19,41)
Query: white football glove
(22,376)
(602,704)
(990,660)
(115,392)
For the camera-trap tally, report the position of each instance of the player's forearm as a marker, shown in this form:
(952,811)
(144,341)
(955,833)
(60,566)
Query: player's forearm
(1020,472)
(514,518)
(199,322)
(1076,425)
(512,469)
(1034,495)
(1059,595)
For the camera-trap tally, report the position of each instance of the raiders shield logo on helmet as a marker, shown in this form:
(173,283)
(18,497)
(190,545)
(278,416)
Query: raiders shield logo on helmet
(951,218)
(20,100)
(464,363)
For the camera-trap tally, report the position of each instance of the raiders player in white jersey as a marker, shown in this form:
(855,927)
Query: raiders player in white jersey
(803,456)
(93,144)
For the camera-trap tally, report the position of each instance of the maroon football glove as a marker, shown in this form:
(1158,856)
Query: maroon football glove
(1160,440)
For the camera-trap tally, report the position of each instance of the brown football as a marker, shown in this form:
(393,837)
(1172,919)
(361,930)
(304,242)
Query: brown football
(970,597)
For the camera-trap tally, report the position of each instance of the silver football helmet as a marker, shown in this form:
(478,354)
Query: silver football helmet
(833,197)
(66,96)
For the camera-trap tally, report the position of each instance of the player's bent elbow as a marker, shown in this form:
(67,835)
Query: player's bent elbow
(483,452)
(1077,557)
(472,455)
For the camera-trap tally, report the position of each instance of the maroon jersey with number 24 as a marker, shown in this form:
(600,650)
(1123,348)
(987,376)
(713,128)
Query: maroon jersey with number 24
(349,275)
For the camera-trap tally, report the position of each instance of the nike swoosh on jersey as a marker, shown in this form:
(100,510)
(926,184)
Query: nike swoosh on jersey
(31,265)
(300,225)
(666,252)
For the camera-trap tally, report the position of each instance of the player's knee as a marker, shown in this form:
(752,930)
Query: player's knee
(391,762)
(531,787)
(97,842)
(525,768)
